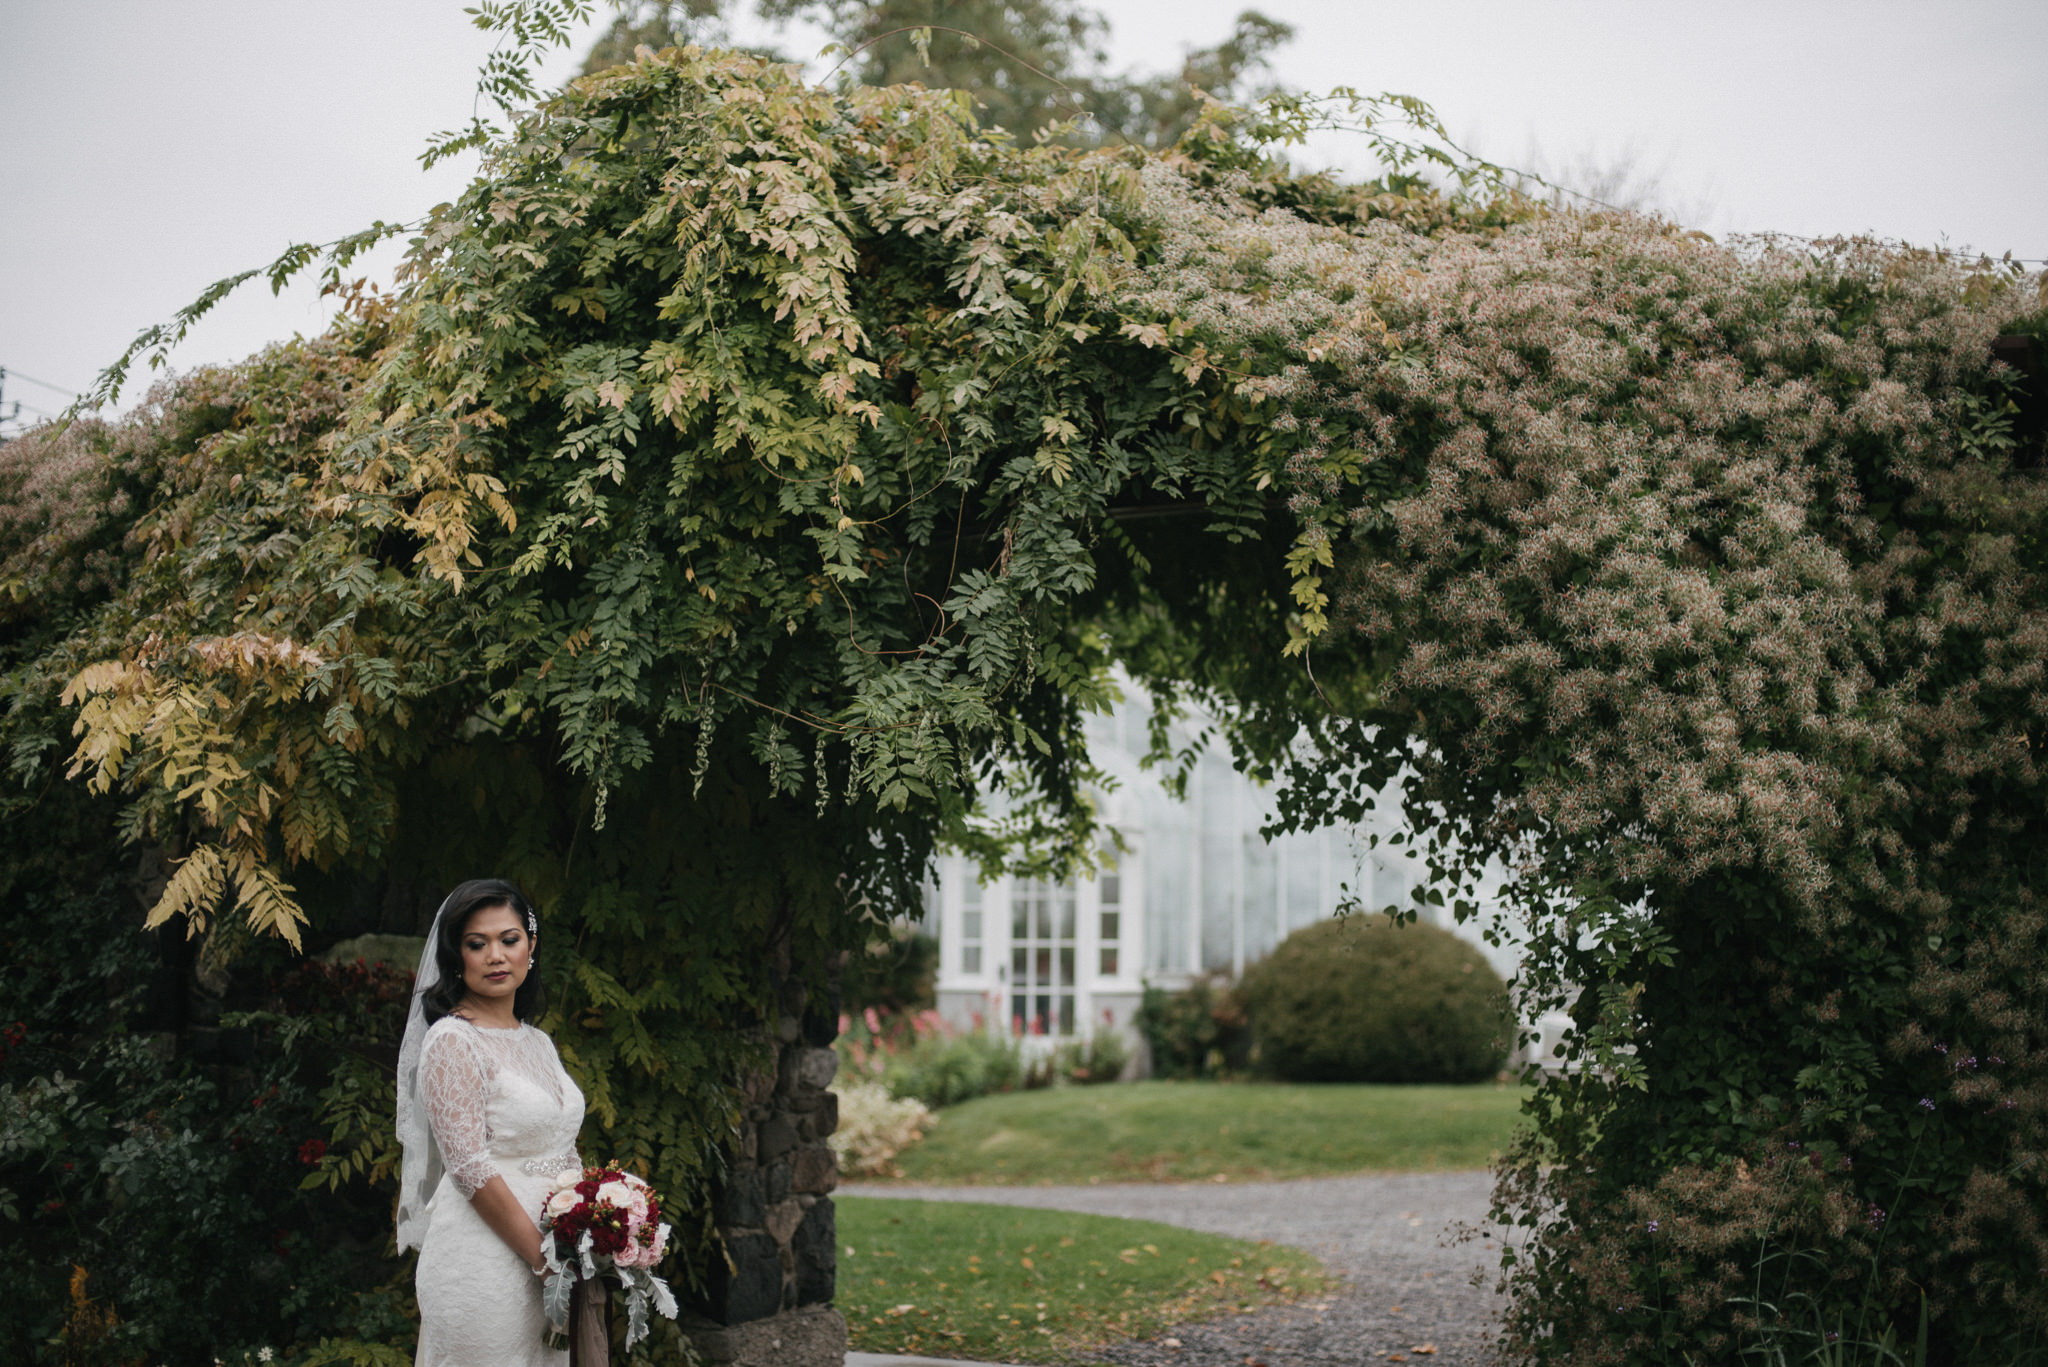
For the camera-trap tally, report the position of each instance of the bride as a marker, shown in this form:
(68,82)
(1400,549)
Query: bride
(486,1119)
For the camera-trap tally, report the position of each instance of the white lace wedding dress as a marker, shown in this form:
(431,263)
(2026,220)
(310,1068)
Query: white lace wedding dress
(500,1106)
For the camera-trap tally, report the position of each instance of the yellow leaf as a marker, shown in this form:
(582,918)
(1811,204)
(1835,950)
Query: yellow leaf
(194,887)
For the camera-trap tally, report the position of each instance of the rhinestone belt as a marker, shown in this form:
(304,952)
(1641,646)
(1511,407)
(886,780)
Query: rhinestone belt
(548,1167)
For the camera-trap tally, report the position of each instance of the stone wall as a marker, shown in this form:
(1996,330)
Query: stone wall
(772,1305)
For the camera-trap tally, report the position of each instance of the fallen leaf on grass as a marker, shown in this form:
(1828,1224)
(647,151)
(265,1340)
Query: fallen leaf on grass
(1423,1348)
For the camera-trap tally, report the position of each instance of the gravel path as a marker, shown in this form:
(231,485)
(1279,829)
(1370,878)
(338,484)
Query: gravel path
(1407,1286)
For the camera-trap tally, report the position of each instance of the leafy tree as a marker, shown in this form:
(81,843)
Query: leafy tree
(1025,64)
(657,24)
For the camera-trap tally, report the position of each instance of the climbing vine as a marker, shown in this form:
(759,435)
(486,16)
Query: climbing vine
(750,485)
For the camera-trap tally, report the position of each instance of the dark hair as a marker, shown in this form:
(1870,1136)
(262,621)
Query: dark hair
(479,894)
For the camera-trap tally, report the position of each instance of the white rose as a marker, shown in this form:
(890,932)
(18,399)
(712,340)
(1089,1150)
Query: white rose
(619,1194)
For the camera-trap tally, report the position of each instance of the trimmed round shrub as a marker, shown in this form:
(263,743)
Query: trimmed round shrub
(1361,999)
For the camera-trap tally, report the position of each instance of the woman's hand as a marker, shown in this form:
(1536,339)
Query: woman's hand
(512,1223)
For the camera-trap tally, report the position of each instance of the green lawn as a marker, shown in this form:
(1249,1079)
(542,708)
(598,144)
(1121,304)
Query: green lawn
(1000,1284)
(1209,1131)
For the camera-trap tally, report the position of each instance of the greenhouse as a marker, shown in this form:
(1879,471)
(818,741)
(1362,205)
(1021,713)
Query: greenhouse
(1195,889)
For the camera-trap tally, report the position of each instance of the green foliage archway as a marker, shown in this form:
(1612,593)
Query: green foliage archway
(747,478)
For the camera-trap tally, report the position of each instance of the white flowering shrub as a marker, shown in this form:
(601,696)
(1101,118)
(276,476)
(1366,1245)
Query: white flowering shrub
(875,1126)
(1702,586)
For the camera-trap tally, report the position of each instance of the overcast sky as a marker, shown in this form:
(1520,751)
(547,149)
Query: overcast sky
(153,146)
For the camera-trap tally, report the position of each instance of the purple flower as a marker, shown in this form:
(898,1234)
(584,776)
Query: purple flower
(1876,1216)
(1926,1104)
(1653,1226)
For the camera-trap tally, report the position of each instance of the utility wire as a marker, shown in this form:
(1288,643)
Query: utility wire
(10,409)
(9,372)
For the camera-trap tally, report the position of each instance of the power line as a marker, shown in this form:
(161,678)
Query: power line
(10,409)
(9,371)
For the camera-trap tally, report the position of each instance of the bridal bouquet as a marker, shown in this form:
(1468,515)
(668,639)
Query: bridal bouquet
(599,1221)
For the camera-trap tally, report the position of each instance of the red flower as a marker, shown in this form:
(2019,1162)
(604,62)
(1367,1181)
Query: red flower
(312,1151)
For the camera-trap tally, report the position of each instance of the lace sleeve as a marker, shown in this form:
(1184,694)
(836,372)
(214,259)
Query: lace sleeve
(452,1084)
(565,1087)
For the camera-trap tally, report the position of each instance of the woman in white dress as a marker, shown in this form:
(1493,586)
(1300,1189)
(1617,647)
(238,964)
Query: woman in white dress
(486,1119)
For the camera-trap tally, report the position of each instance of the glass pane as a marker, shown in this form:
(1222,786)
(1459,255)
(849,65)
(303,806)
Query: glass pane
(1110,921)
(1169,865)
(1042,1021)
(1066,966)
(1261,898)
(970,926)
(1305,881)
(1066,1015)
(1218,855)
(970,959)
(1017,1022)
(1017,962)
(1044,917)
(970,894)
(1067,914)
(1020,914)
(1043,968)
(1390,885)
(1109,961)
(1112,889)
